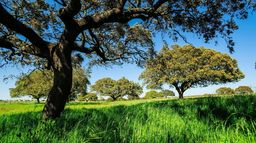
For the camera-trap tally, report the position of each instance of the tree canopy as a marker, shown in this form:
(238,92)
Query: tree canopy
(153,94)
(187,67)
(38,84)
(117,89)
(225,91)
(49,33)
(88,97)
(243,90)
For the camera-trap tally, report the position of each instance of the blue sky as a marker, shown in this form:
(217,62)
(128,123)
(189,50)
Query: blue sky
(245,50)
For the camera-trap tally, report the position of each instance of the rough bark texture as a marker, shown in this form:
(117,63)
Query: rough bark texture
(58,95)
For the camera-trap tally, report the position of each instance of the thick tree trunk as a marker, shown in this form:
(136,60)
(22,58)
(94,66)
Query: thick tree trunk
(58,95)
(181,95)
(180,91)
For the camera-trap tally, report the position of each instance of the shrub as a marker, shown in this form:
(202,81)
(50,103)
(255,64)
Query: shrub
(225,91)
(243,90)
(153,94)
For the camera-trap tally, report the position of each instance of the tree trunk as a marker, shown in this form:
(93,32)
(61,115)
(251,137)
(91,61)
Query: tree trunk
(58,95)
(38,100)
(180,91)
(181,95)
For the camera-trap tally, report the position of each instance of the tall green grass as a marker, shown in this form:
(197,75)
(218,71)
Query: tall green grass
(213,119)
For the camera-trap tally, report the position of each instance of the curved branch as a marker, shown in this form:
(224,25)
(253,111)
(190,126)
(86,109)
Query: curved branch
(10,22)
(119,15)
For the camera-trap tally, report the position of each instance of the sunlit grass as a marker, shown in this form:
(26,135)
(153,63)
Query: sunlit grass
(212,119)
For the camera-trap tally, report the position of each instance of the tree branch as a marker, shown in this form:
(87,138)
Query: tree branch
(7,45)
(13,24)
(119,15)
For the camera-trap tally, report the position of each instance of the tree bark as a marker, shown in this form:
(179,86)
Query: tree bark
(181,95)
(38,100)
(180,91)
(62,68)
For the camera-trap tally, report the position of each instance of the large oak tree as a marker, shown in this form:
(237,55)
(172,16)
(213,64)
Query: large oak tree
(48,32)
(187,67)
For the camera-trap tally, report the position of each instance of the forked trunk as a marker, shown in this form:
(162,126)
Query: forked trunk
(181,95)
(58,95)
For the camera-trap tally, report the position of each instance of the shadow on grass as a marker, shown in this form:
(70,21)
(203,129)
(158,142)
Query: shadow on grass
(116,124)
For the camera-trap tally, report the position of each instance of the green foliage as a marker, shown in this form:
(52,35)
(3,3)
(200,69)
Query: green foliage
(79,83)
(88,97)
(39,82)
(167,93)
(225,91)
(216,119)
(117,89)
(36,84)
(187,67)
(153,94)
(243,90)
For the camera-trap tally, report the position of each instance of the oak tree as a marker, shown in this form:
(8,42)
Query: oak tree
(36,84)
(117,88)
(187,67)
(153,94)
(225,91)
(243,90)
(48,33)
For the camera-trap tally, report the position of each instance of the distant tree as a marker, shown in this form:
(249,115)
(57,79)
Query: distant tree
(117,89)
(35,84)
(187,67)
(88,97)
(79,83)
(225,91)
(243,90)
(153,94)
(38,83)
(129,88)
(167,93)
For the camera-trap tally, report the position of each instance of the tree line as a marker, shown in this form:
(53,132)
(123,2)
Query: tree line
(180,67)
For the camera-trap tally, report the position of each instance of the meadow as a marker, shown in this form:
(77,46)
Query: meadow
(205,119)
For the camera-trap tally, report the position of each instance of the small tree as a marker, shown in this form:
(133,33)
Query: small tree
(88,97)
(225,91)
(167,93)
(36,84)
(117,89)
(187,67)
(153,94)
(243,90)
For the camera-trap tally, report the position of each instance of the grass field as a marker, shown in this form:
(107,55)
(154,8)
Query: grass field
(208,119)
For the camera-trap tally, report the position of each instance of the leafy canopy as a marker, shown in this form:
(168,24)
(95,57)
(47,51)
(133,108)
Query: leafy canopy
(88,97)
(36,84)
(187,67)
(243,90)
(101,30)
(153,94)
(225,91)
(117,89)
